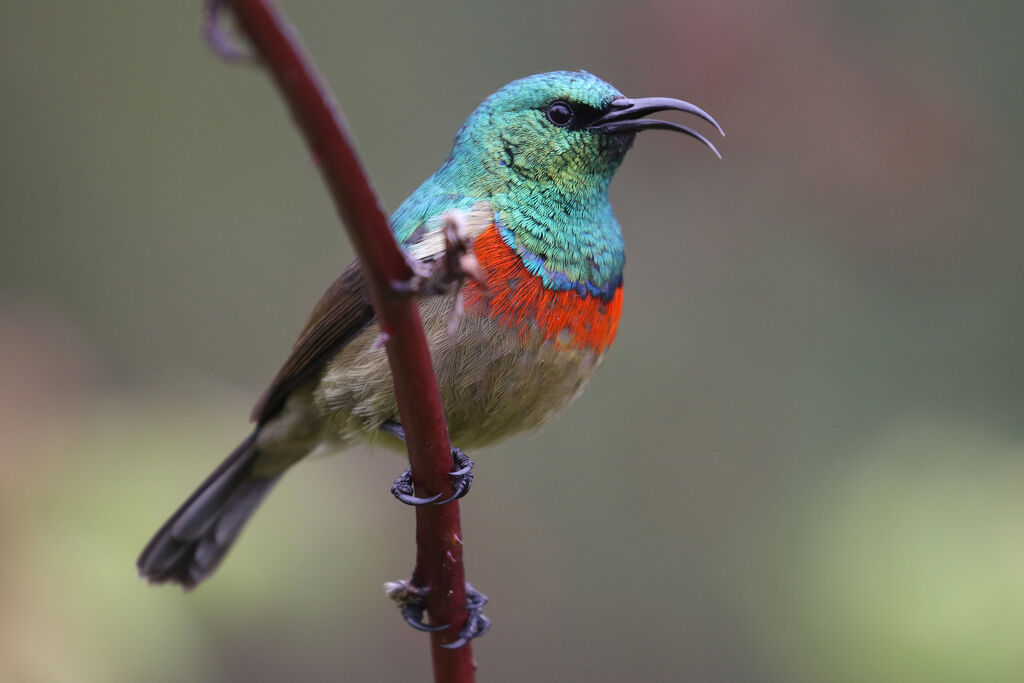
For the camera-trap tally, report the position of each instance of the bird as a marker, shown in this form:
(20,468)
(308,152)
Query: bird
(528,177)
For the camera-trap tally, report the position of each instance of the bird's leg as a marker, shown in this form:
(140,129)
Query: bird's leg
(462,476)
(411,600)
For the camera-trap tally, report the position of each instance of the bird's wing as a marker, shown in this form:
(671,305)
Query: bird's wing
(342,312)
(345,310)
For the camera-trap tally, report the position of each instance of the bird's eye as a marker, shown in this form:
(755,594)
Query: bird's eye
(559,113)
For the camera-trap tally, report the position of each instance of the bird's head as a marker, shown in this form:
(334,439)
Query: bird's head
(566,130)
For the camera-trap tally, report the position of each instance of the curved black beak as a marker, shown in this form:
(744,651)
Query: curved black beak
(626,115)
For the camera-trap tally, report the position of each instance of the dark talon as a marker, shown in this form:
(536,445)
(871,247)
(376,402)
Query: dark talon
(413,615)
(476,624)
(402,489)
(463,476)
(447,500)
(414,500)
(462,461)
(459,488)
(410,600)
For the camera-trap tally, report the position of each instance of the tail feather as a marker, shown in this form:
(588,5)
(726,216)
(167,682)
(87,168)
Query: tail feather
(190,545)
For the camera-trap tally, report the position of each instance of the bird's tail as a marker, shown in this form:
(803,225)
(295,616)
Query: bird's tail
(190,545)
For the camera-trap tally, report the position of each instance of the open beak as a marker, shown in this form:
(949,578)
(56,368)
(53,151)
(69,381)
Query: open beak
(625,115)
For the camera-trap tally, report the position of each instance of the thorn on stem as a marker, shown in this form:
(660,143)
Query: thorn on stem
(217,37)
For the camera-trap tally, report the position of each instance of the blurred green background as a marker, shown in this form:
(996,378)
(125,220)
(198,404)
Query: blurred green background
(802,461)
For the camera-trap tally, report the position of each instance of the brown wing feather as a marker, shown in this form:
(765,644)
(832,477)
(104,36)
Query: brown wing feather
(342,312)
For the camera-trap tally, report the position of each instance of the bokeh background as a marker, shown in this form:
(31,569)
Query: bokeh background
(802,461)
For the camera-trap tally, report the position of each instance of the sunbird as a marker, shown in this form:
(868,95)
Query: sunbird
(528,175)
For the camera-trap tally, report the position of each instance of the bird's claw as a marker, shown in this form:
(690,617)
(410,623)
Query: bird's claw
(462,478)
(413,615)
(476,623)
(451,268)
(404,491)
(411,601)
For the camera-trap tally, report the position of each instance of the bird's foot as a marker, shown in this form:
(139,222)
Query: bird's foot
(462,475)
(462,481)
(411,601)
(476,623)
(448,272)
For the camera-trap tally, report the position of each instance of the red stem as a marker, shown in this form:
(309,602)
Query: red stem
(438,530)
